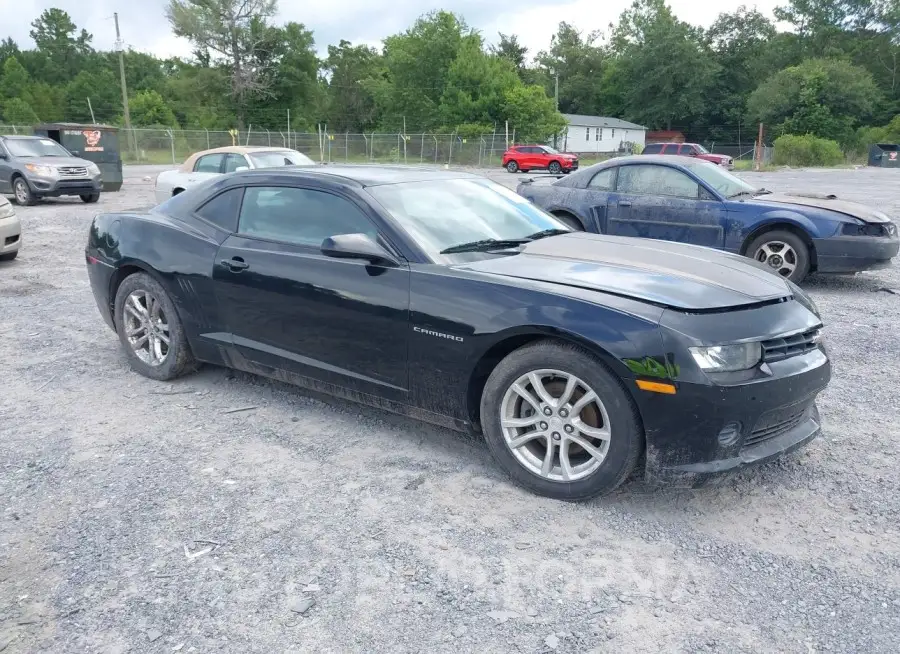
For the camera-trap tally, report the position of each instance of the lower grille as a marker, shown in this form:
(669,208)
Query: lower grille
(778,349)
(774,426)
(11,239)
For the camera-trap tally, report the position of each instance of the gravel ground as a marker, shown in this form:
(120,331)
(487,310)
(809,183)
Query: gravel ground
(144,517)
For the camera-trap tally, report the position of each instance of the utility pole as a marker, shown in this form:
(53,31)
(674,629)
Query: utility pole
(556,99)
(120,47)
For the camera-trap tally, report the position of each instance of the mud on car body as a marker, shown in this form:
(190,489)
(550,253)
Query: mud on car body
(574,354)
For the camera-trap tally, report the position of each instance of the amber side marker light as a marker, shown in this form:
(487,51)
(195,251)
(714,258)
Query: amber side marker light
(656,387)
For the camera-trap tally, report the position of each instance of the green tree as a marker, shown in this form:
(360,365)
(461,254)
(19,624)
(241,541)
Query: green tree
(14,81)
(104,92)
(532,113)
(148,107)
(47,101)
(17,111)
(235,31)
(579,63)
(60,43)
(510,49)
(476,87)
(667,71)
(823,97)
(354,71)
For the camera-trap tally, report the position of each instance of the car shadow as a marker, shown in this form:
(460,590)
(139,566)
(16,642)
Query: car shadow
(869,282)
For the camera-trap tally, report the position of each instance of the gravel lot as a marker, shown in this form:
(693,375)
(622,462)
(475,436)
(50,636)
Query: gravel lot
(144,517)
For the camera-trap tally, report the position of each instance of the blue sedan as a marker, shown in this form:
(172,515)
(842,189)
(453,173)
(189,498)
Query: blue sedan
(686,200)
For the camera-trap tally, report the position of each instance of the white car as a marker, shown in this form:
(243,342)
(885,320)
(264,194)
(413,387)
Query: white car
(10,231)
(219,161)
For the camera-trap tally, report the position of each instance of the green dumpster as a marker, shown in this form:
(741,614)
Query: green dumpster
(96,143)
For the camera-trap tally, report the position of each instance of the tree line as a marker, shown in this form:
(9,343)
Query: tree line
(834,74)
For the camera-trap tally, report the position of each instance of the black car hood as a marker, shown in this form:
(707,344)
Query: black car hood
(684,277)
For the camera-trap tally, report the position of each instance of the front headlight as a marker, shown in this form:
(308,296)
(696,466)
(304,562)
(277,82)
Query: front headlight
(6,210)
(804,299)
(44,171)
(727,358)
(93,169)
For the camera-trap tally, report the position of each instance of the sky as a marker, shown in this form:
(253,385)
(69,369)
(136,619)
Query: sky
(144,26)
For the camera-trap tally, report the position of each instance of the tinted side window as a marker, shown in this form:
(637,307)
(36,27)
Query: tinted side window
(657,180)
(687,149)
(222,210)
(603,181)
(297,215)
(653,148)
(210,163)
(234,161)
(670,148)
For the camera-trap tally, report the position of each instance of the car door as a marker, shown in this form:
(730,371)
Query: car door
(6,168)
(288,306)
(533,158)
(597,194)
(663,202)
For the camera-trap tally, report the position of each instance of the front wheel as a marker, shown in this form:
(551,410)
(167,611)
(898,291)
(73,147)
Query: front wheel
(554,167)
(90,199)
(150,330)
(22,192)
(512,167)
(783,252)
(559,422)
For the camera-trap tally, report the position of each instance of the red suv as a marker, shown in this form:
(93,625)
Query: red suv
(532,157)
(690,150)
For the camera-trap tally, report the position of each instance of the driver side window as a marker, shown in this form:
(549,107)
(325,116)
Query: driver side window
(210,163)
(657,180)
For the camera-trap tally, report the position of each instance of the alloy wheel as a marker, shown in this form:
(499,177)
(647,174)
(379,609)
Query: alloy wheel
(779,256)
(146,328)
(21,192)
(555,425)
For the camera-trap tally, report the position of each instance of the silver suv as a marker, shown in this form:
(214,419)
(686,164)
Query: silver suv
(34,167)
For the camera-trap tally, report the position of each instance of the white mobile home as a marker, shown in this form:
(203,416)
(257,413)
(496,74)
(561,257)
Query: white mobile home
(599,134)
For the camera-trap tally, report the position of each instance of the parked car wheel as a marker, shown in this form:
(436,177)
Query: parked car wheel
(150,330)
(512,167)
(784,252)
(559,423)
(9,256)
(90,199)
(22,192)
(554,167)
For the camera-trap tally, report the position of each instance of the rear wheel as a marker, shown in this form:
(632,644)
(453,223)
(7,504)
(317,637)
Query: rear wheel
(783,252)
(554,167)
(559,423)
(23,193)
(570,221)
(512,167)
(90,199)
(150,330)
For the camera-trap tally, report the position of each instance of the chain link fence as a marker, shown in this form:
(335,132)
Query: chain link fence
(171,147)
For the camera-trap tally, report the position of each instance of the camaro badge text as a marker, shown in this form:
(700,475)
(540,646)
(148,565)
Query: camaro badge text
(438,334)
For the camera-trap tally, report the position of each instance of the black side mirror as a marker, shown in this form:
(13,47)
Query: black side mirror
(357,246)
(3,156)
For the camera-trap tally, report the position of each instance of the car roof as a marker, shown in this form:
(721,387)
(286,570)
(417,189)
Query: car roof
(668,159)
(188,164)
(22,137)
(363,175)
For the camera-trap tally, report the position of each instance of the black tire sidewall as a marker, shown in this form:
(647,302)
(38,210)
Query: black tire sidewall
(29,194)
(91,198)
(554,167)
(627,439)
(802,250)
(512,167)
(180,357)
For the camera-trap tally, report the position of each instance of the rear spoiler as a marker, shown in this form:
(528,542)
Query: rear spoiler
(532,180)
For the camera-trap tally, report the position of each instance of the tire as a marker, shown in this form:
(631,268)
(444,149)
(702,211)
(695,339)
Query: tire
(177,358)
(588,476)
(512,167)
(9,256)
(554,167)
(22,192)
(570,221)
(90,199)
(769,249)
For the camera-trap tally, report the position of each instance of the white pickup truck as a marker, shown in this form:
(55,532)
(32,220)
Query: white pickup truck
(219,161)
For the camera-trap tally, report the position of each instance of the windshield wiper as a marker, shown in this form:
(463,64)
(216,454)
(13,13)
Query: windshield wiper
(485,245)
(740,193)
(548,232)
(762,191)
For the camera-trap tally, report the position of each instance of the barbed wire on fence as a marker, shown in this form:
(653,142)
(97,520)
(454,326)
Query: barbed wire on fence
(173,146)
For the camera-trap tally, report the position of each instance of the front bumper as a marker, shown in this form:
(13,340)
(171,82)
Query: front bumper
(570,165)
(100,275)
(847,254)
(774,417)
(52,187)
(10,235)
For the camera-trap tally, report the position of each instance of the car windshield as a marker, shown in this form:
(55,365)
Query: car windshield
(277,158)
(701,149)
(721,180)
(35,148)
(550,150)
(443,214)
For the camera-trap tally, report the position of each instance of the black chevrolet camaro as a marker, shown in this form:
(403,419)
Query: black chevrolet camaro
(449,298)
